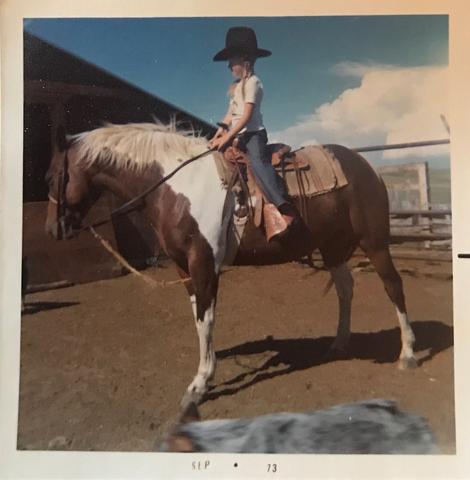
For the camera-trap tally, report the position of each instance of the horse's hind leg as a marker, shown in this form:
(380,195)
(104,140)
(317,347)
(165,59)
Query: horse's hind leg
(344,285)
(384,266)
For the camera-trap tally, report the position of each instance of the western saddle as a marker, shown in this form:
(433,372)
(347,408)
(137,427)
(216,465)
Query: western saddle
(250,199)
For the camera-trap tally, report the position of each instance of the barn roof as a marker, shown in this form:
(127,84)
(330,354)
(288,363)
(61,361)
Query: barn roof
(46,63)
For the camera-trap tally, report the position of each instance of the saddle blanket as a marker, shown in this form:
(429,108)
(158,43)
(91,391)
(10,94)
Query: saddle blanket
(321,172)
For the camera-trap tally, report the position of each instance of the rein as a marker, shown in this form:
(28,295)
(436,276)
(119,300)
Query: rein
(130,205)
(126,208)
(61,204)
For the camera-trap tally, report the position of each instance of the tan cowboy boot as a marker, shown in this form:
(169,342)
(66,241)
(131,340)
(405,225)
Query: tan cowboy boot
(287,216)
(274,223)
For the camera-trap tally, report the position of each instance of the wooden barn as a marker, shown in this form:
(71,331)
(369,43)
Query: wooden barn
(62,89)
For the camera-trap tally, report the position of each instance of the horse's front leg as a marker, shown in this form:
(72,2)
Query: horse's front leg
(207,362)
(203,293)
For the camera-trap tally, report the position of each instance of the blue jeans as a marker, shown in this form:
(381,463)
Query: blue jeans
(267,178)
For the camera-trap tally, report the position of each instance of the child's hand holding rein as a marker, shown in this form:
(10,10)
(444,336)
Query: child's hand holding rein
(221,141)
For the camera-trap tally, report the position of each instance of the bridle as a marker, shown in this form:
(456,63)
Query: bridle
(131,205)
(61,201)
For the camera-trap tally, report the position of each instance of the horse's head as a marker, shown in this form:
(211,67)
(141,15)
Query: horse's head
(69,190)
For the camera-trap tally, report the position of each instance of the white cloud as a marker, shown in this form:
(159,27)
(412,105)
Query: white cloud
(391,105)
(355,69)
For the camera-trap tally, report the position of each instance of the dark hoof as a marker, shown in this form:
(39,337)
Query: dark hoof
(191,397)
(407,363)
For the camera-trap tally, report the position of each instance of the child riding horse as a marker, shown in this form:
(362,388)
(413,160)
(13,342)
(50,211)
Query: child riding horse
(244,120)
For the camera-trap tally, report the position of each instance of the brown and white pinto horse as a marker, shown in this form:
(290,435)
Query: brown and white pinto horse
(192,220)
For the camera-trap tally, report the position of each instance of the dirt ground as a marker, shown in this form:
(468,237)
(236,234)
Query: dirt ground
(104,365)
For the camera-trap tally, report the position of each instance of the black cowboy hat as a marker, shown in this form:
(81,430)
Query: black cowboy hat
(240,40)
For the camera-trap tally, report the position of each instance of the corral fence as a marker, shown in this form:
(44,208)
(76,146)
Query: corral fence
(413,217)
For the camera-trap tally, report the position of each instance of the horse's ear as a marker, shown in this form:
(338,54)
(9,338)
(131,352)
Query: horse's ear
(61,139)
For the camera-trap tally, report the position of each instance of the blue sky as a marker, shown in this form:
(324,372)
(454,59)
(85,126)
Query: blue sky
(351,80)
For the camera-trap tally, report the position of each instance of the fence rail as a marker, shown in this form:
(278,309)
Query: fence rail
(419,237)
(424,228)
(423,232)
(426,143)
(421,213)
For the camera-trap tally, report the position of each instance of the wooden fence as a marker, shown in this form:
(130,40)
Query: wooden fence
(437,228)
(412,218)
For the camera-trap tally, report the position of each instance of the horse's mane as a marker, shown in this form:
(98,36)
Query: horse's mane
(136,146)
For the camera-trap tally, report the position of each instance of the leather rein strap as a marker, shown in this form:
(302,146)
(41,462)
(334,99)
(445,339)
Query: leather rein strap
(61,203)
(128,207)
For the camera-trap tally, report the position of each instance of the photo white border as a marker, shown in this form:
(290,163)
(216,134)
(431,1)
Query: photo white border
(65,465)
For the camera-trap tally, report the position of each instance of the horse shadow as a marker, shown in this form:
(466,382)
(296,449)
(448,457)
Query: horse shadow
(290,355)
(31,308)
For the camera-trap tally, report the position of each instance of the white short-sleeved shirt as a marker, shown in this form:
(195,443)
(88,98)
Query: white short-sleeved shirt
(253,93)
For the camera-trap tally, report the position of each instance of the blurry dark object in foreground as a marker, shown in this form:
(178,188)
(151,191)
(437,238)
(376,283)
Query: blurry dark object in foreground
(375,427)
